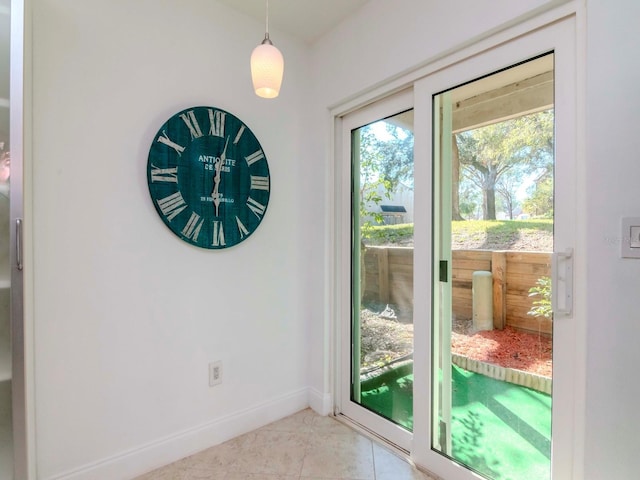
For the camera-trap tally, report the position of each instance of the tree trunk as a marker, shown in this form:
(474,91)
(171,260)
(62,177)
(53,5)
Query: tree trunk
(511,202)
(490,203)
(455,180)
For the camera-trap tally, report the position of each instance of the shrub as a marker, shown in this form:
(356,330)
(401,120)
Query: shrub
(542,306)
(387,234)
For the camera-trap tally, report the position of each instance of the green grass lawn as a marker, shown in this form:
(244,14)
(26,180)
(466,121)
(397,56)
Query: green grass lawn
(501,430)
(497,233)
(501,227)
(387,234)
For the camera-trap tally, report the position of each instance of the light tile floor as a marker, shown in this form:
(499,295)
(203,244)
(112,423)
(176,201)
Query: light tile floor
(304,446)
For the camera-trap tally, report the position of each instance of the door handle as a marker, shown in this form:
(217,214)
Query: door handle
(562,282)
(19,244)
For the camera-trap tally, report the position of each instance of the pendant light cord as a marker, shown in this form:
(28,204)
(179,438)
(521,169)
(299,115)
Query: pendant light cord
(267,40)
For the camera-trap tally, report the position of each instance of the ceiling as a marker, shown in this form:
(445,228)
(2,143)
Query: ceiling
(305,19)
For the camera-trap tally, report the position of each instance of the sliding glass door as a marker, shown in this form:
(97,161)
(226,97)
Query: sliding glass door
(494,356)
(455,311)
(378,346)
(492,345)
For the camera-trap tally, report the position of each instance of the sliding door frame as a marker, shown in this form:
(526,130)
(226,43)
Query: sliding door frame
(387,107)
(559,38)
(566,17)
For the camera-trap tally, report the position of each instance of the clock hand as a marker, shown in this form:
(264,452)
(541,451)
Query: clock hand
(215,194)
(223,155)
(216,179)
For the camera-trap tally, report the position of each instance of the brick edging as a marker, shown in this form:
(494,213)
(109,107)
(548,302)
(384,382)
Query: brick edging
(517,377)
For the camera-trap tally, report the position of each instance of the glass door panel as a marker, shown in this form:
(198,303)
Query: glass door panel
(376,268)
(382,259)
(493,227)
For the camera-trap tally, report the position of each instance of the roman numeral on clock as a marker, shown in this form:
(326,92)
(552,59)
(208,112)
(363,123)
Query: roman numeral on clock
(172,205)
(239,134)
(192,228)
(167,141)
(259,183)
(242,229)
(190,120)
(257,208)
(254,157)
(164,174)
(218,234)
(217,121)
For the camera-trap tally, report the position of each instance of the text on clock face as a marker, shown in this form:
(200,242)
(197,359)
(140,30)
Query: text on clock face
(212,167)
(210,162)
(222,199)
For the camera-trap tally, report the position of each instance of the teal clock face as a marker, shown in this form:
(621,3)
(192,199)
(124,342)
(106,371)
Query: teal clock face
(208,177)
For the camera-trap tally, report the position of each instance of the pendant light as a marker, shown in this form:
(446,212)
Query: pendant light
(267,66)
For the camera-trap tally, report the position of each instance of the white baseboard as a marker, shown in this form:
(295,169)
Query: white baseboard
(320,402)
(137,461)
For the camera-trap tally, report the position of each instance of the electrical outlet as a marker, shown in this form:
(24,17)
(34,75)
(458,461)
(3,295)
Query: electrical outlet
(215,373)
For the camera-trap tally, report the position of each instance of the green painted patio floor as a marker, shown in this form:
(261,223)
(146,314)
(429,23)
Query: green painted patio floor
(501,430)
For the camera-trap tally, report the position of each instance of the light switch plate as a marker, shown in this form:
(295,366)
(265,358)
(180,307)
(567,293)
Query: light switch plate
(635,237)
(630,244)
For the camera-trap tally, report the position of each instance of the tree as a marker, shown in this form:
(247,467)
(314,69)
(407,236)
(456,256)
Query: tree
(507,188)
(489,153)
(540,201)
(386,160)
(388,150)
(455,181)
(469,199)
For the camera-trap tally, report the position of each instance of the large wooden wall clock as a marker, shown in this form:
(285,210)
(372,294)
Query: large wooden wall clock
(208,177)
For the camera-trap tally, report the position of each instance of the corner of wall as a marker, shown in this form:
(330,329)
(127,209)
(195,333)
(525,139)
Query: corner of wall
(321,403)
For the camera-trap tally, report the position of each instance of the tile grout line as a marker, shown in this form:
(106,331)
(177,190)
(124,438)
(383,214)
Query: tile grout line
(306,451)
(373,460)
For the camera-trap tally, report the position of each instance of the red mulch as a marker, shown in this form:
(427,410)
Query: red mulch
(508,348)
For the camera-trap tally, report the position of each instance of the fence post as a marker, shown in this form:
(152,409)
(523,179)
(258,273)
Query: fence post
(499,271)
(383,275)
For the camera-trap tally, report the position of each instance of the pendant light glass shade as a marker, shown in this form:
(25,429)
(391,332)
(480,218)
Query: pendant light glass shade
(267,66)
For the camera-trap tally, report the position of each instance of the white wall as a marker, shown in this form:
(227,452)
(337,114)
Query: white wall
(127,316)
(613,179)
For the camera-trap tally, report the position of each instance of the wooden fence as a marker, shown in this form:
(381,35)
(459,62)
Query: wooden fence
(389,279)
